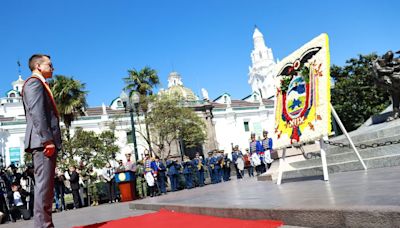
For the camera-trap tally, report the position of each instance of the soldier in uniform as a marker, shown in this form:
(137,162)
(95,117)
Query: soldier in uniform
(92,189)
(216,161)
(226,167)
(149,175)
(198,162)
(141,185)
(161,169)
(236,155)
(210,167)
(267,146)
(187,171)
(173,172)
(256,147)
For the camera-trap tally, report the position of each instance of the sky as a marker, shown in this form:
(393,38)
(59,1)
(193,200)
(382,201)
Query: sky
(208,42)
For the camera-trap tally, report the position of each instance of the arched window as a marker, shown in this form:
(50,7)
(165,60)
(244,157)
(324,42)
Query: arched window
(119,103)
(255,97)
(12,94)
(225,99)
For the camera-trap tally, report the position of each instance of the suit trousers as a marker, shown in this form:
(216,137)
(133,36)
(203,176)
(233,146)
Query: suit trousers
(77,198)
(44,188)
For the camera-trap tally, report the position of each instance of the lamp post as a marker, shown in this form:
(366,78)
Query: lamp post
(130,103)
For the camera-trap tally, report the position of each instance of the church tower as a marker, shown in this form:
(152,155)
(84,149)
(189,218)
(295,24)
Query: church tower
(261,70)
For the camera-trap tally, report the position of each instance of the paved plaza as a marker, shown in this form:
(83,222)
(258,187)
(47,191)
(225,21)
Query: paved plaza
(85,216)
(360,199)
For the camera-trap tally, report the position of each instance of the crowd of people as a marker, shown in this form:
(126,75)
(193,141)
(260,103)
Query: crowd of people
(153,176)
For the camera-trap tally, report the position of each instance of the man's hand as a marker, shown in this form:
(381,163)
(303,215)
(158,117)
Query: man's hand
(49,149)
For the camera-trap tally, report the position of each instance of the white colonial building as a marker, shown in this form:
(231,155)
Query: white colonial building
(235,120)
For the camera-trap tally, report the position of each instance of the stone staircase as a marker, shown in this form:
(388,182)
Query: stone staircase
(342,159)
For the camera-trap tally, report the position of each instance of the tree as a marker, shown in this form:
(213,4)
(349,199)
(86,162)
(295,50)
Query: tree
(170,122)
(95,149)
(355,96)
(70,98)
(142,82)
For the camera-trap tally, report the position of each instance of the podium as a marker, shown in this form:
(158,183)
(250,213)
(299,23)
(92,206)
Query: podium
(126,181)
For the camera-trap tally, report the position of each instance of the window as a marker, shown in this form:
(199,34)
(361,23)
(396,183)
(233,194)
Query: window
(255,97)
(225,99)
(129,137)
(246,126)
(12,94)
(119,103)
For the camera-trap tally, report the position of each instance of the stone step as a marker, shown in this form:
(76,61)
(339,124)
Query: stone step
(349,156)
(371,163)
(383,130)
(337,150)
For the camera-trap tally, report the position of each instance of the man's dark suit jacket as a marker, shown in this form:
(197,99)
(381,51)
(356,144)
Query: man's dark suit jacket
(74,180)
(42,123)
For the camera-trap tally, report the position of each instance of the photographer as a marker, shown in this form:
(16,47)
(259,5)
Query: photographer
(27,184)
(17,201)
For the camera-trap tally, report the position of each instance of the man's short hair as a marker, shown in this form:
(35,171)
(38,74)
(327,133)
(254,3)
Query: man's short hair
(35,59)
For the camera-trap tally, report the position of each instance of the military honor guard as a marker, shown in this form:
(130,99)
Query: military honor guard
(256,148)
(198,162)
(237,159)
(173,172)
(217,160)
(187,172)
(141,184)
(149,175)
(161,170)
(226,167)
(267,146)
(210,167)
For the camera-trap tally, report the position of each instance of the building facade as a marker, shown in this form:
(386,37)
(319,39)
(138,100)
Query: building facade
(261,71)
(228,121)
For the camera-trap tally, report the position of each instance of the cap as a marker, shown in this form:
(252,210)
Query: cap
(265,132)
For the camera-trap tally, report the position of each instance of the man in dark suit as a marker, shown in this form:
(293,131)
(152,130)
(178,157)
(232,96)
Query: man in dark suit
(74,182)
(42,137)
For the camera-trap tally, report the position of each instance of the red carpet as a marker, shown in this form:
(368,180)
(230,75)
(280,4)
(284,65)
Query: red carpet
(169,219)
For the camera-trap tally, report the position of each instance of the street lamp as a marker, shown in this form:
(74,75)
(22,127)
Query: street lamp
(130,103)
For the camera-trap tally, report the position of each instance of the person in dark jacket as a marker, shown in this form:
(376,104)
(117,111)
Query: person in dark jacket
(59,190)
(173,172)
(187,171)
(17,202)
(161,170)
(74,181)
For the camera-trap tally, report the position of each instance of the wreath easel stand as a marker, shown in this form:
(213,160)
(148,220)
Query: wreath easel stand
(282,160)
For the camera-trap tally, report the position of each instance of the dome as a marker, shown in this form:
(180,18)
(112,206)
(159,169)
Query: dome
(176,88)
(181,92)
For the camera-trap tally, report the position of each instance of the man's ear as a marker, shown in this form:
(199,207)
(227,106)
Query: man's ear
(38,67)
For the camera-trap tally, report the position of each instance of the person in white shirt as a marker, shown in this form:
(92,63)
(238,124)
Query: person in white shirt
(108,174)
(16,198)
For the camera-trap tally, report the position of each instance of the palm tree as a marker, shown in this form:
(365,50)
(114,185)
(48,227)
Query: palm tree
(70,97)
(142,82)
